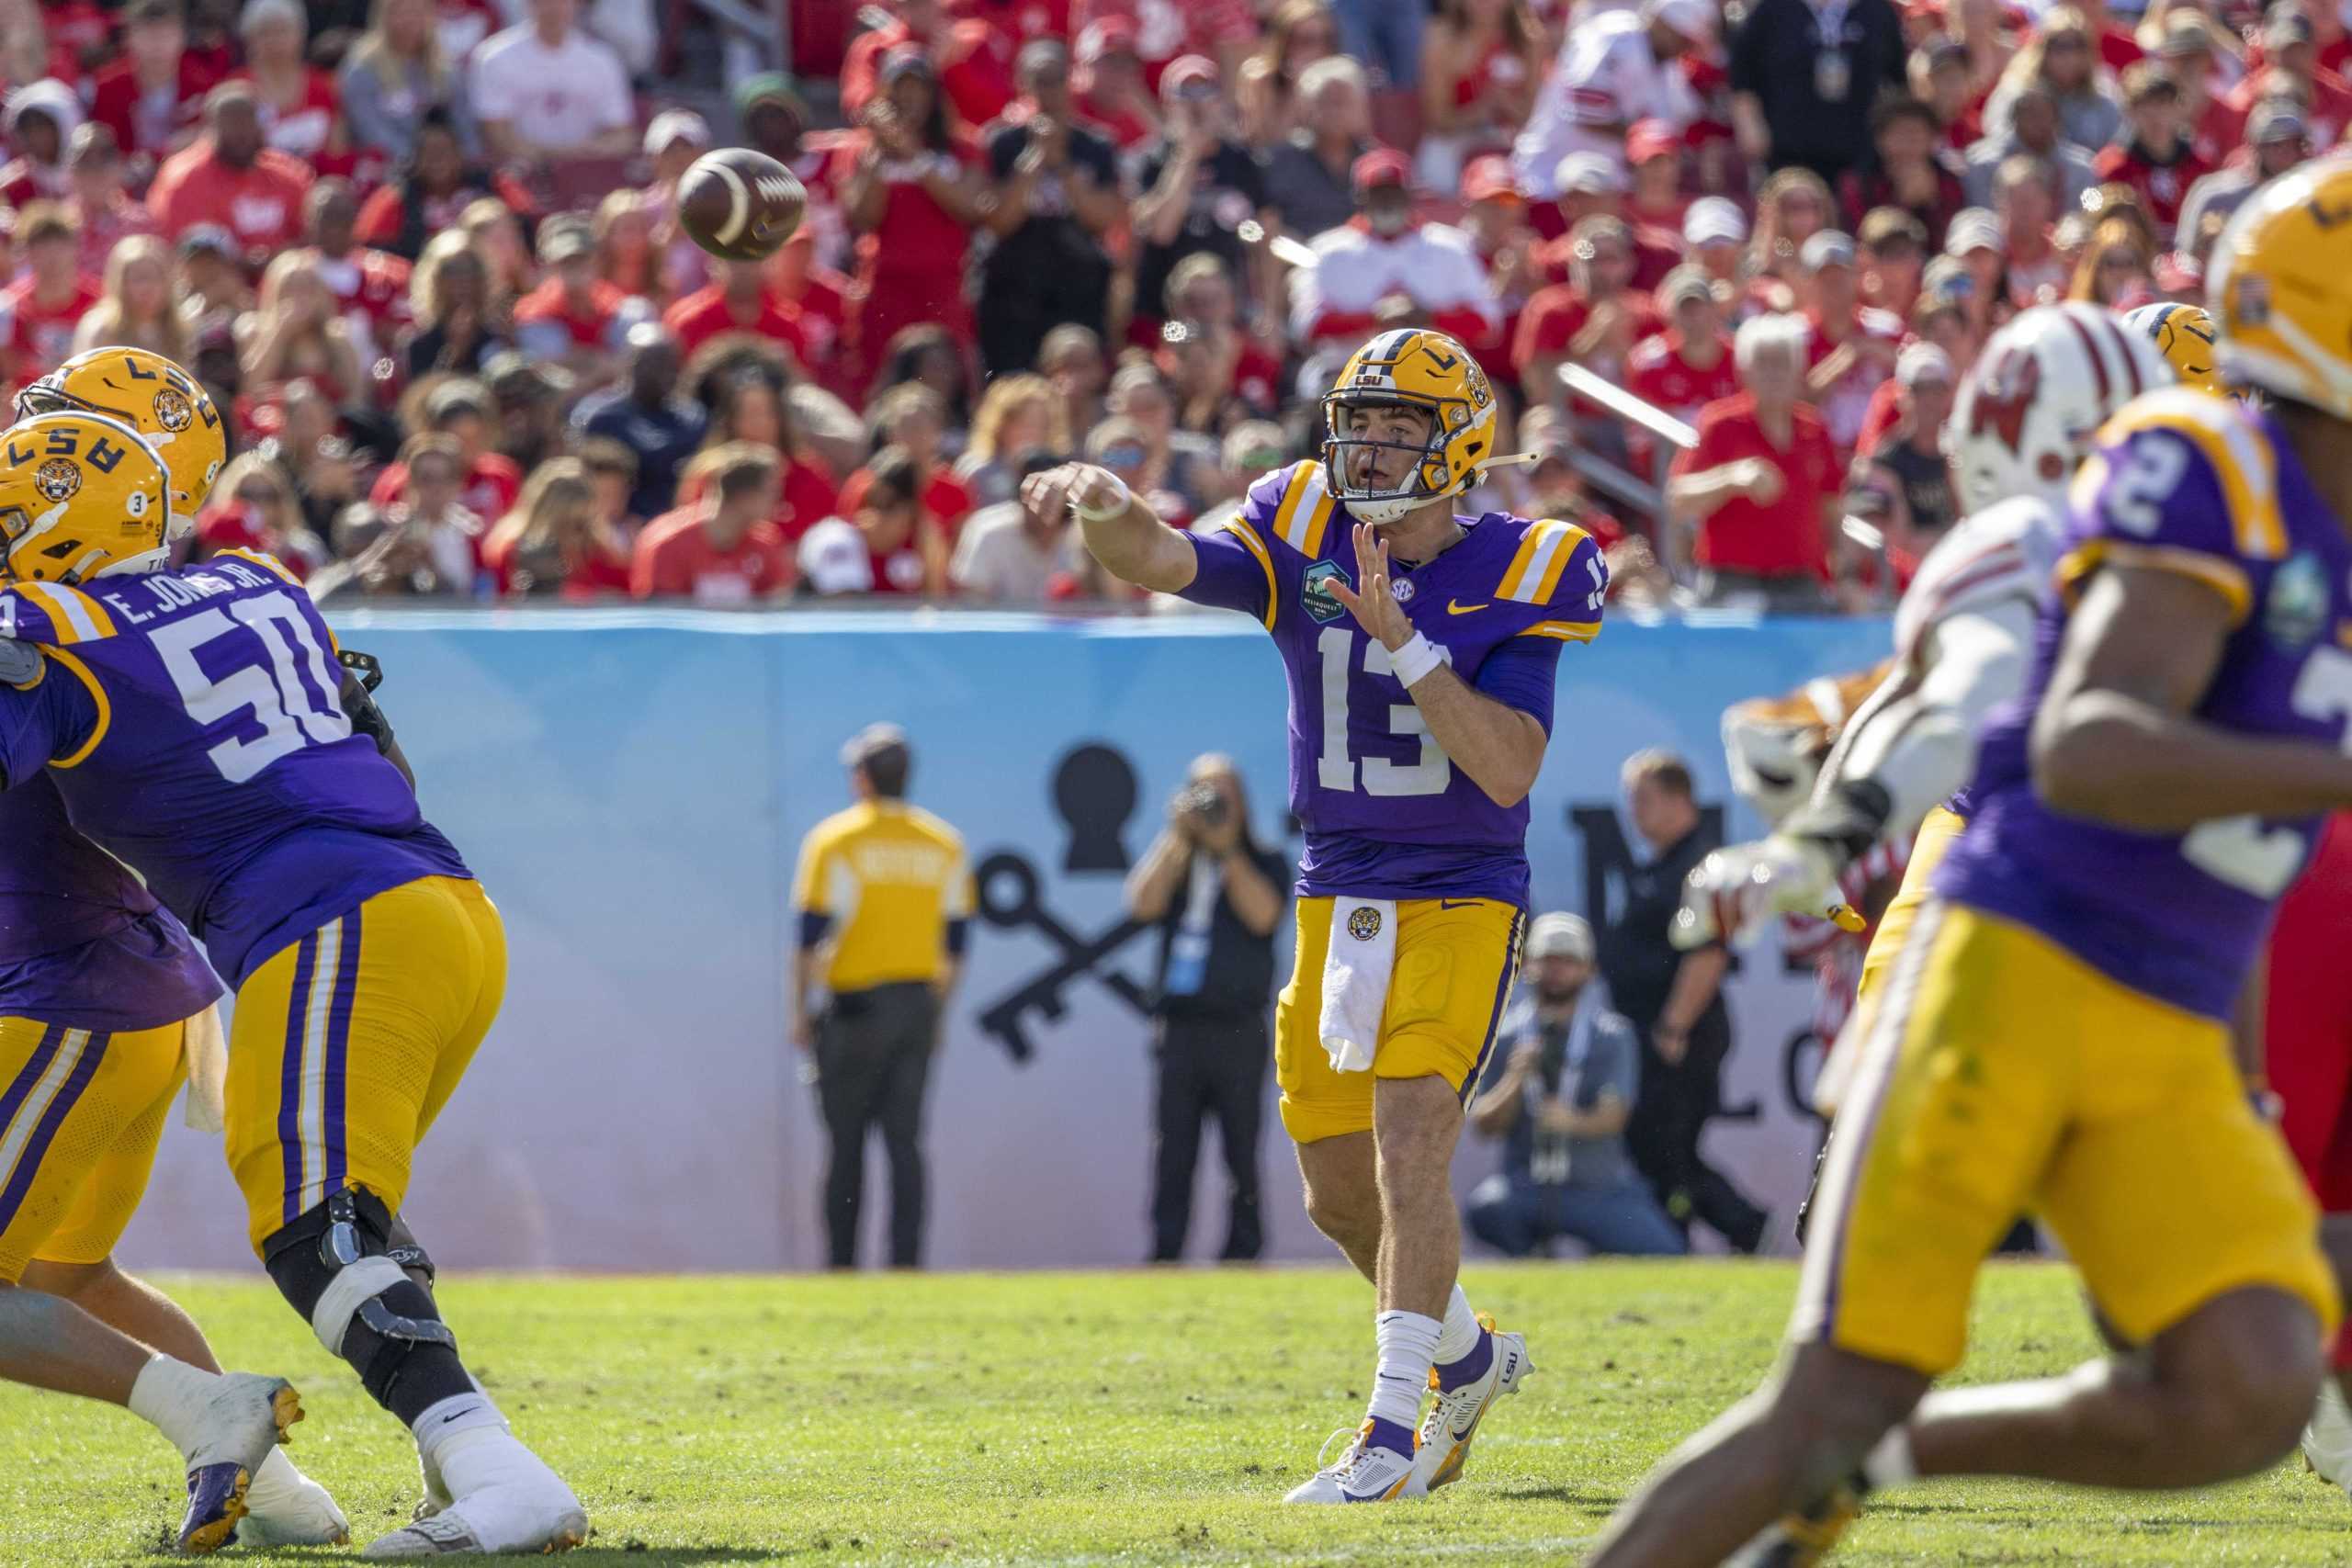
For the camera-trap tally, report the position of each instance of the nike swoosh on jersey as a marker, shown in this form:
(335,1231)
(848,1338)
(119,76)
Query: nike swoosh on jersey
(1456,607)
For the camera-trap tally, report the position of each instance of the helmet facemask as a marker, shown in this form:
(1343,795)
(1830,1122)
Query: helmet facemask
(1429,477)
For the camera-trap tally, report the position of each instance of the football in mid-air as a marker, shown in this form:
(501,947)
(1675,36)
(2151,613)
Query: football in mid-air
(739,205)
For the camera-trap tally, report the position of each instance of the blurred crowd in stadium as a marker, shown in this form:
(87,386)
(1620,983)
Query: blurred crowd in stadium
(426,251)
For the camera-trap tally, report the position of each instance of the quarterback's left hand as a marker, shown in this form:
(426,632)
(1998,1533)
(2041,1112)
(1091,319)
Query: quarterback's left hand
(1734,893)
(1373,602)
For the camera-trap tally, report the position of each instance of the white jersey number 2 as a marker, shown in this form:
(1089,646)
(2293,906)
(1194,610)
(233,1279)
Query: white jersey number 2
(292,712)
(2243,850)
(1337,769)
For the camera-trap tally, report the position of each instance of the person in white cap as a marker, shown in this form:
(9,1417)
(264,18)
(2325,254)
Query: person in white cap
(1907,467)
(1564,1078)
(1613,70)
(1713,231)
(1853,346)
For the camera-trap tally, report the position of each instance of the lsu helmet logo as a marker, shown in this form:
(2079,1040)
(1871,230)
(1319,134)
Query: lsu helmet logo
(174,412)
(1363,924)
(58,479)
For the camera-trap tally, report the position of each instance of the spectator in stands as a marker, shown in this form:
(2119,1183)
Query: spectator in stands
(101,207)
(301,112)
(574,317)
(1908,466)
(1180,468)
(818,299)
(1673,1000)
(1072,361)
(1309,170)
(461,409)
(555,541)
(2154,157)
(396,77)
(1593,320)
(1804,77)
(1850,347)
(1715,232)
(906,548)
(39,118)
(2290,69)
(646,415)
(1201,295)
(1056,195)
(1112,88)
(228,176)
(137,310)
(625,256)
(1593,187)
(1791,206)
(2117,267)
(1009,554)
(1196,186)
(2186,52)
(27,51)
(1018,415)
(775,121)
(1560,1086)
(2059,60)
(530,399)
(1892,247)
(1689,365)
(457,325)
(1480,62)
(252,508)
(1358,265)
(429,507)
(40,309)
(673,140)
(296,331)
(1616,67)
(912,192)
(370,287)
(150,96)
(1654,162)
(913,419)
(432,191)
(738,302)
(212,289)
(2034,129)
(612,474)
(1267,87)
(723,549)
(2278,139)
(546,90)
(748,406)
(1910,170)
(1762,485)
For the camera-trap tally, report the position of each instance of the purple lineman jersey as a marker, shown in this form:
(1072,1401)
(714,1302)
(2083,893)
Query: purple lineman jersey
(2202,485)
(190,721)
(82,943)
(1387,813)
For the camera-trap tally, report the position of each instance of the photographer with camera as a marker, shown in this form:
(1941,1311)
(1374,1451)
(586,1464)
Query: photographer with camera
(1216,895)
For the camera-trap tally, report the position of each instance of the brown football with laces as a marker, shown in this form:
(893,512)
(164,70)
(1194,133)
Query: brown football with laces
(739,205)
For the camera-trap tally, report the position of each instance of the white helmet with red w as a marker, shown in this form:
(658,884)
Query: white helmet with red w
(2038,393)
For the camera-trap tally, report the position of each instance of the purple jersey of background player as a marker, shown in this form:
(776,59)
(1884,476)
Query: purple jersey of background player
(220,764)
(1386,814)
(2177,917)
(82,943)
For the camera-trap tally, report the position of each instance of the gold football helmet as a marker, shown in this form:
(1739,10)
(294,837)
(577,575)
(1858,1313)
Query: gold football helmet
(155,398)
(2276,288)
(2183,335)
(1421,368)
(81,496)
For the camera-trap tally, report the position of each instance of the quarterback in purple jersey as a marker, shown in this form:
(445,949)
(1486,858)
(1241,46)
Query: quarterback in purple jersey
(1421,648)
(198,726)
(2055,1035)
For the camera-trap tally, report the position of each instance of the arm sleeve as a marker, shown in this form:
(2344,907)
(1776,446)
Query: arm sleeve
(1522,674)
(809,894)
(1234,560)
(48,720)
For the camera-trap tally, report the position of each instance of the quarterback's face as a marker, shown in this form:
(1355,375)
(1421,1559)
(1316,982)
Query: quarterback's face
(1402,431)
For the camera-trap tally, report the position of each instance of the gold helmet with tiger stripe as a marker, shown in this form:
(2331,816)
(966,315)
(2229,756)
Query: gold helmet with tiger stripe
(1415,368)
(81,496)
(146,391)
(2183,335)
(2276,284)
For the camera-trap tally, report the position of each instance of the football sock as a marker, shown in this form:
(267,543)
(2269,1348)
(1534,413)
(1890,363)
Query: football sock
(1890,1462)
(1464,1350)
(1408,1342)
(171,1396)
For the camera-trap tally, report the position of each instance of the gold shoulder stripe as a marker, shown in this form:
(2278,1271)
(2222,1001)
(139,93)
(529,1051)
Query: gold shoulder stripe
(1257,547)
(2230,443)
(2217,574)
(81,754)
(73,614)
(1544,552)
(265,560)
(1565,631)
(1306,510)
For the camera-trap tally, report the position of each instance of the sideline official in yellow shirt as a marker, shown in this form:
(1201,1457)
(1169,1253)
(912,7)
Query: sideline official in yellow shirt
(885,899)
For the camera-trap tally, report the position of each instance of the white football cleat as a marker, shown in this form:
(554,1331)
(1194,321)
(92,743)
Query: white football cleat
(508,1500)
(1366,1473)
(1444,1446)
(286,1507)
(244,1415)
(2327,1441)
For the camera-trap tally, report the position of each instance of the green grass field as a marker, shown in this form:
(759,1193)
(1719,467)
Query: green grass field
(1121,1418)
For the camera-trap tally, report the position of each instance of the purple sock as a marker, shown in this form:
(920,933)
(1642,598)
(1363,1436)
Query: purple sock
(1452,1375)
(1390,1436)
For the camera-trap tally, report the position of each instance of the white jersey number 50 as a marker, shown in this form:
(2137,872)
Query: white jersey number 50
(293,712)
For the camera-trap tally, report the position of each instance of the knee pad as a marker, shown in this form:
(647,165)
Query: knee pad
(336,1265)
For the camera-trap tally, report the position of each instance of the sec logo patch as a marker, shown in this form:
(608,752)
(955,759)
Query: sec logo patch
(1364,924)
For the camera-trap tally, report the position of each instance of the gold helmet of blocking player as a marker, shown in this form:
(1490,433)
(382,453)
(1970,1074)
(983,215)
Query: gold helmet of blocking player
(81,496)
(2183,335)
(1420,369)
(155,398)
(2277,286)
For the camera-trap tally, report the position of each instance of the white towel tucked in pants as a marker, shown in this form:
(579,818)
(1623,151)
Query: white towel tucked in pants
(1356,964)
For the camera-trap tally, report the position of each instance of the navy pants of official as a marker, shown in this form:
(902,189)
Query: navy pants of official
(1517,1217)
(1209,1066)
(874,1050)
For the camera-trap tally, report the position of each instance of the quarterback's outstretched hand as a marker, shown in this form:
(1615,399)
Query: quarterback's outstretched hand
(1373,601)
(1734,894)
(1049,496)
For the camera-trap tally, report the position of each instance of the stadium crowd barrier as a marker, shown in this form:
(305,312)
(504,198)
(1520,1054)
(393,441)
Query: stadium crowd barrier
(632,786)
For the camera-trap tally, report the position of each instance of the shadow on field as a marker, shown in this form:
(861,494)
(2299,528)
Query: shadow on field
(1595,1499)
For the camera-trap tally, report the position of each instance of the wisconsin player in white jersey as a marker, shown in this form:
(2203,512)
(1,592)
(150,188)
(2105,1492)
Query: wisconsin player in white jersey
(1964,638)
(1422,649)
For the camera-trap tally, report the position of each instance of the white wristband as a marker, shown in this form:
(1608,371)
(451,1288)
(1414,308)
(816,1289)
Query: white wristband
(1104,514)
(1415,659)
